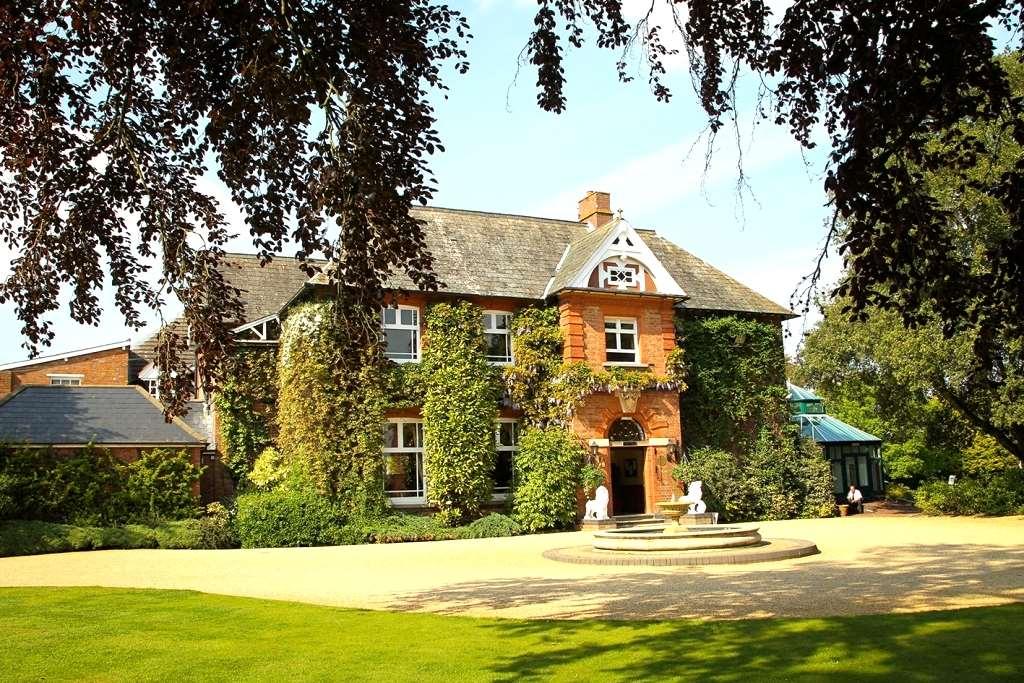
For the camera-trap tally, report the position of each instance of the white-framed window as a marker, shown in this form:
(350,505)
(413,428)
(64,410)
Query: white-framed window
(153,387)
(65,380)
(498,336)
(620,340)
(506,435)
(404,478)
(401,326)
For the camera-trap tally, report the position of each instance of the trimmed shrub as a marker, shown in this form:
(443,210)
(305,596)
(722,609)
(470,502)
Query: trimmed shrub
(35,537)
(269,470)
(401,528)
(494,525)
(286,518)
(547,472)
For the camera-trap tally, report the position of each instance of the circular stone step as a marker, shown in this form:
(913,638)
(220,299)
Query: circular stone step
(767,550)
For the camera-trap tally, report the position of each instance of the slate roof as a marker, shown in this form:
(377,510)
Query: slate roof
(501,255)
(578,255)
(828,429)
(61,415)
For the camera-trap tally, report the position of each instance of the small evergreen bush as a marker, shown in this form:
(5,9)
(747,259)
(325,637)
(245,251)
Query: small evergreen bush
(547,472)
(286,518)
(494,525)
(216,528)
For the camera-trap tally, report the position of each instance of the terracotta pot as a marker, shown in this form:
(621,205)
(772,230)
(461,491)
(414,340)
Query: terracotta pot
(844,510)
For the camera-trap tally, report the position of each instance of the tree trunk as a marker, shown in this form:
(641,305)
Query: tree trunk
(986,426)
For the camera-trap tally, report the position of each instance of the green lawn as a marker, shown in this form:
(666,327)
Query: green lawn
(113,634)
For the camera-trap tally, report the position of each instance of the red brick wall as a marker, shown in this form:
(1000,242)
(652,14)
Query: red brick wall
(657,412)
(100,368)
(582,318)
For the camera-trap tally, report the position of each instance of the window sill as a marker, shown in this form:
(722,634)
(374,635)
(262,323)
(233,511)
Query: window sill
(624,364)
(407,502)
(403,361)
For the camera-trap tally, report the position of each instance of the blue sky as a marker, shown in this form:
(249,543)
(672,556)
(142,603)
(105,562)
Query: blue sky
(503,154)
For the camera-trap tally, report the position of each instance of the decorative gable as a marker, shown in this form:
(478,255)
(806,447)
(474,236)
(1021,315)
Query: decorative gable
(621,261)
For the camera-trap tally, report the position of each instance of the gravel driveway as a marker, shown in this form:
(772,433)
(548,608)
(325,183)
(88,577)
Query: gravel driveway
(867,565)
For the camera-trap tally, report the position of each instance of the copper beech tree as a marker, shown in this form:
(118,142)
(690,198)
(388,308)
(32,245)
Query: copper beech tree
(315,115)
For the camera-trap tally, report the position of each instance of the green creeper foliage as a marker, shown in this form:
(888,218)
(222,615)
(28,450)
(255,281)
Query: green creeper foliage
(547,471)
(736,381)
(158,485)
(536,362)
(460,409)
(329,424)
(245,404)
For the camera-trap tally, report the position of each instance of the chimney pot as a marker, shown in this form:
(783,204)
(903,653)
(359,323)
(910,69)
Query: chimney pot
(595,209)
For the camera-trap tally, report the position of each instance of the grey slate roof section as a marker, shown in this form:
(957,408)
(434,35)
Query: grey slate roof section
(708,288)
(196,419)
(580,251)
(500,255)
(46,415)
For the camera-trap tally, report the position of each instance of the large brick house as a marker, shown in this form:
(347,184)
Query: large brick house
(619,291)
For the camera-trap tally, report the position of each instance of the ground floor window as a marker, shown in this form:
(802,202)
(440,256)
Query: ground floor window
(404,476)
(507,438)
(857,465)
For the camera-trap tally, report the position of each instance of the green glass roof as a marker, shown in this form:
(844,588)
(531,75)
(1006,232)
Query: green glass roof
(828,429)
(801,394)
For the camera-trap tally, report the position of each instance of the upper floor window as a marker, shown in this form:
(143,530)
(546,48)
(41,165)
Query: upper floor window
(65,380)
(507,438)
(404,477)
(153,387)
(401,333)
(620,340)
(497,333)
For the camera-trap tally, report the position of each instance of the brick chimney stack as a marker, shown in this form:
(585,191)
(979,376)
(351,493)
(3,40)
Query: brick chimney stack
(595,209)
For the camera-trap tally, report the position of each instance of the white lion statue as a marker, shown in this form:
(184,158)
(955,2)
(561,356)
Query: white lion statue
(597,508)
(695,497)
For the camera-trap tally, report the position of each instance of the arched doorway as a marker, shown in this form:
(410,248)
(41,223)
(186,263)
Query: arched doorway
(627,467)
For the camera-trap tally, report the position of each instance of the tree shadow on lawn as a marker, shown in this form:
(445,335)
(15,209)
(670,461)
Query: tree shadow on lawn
(900,578)
(950,645)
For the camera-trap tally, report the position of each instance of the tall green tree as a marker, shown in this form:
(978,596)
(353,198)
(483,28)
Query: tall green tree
(316,116)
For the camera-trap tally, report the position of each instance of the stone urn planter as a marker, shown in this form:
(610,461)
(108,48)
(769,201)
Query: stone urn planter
(844,510)
(628,399)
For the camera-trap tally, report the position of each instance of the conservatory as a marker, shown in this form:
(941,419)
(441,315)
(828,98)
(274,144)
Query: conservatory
(854,454)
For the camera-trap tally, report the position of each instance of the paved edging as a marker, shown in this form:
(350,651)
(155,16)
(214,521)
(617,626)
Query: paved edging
(771,550)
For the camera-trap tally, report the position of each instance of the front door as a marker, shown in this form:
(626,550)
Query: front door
(628,481)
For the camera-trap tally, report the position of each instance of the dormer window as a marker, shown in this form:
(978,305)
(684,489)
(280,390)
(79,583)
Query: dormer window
(65,380)
(401,328)
(497,335)
(620,341)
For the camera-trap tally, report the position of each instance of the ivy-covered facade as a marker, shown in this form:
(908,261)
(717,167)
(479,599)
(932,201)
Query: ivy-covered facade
(548,332)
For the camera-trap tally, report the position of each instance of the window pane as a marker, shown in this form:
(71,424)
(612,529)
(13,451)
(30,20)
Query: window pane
(505,434)
(403,475)
(503,473)
(410,435)
(389,316)
(627,341)
(611,340)
(401,344)
(626,325)
(862,471)
(391,435)
(621,357)
(407,316)
(610,325)
(498,346)
(501,321)
(837,476)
